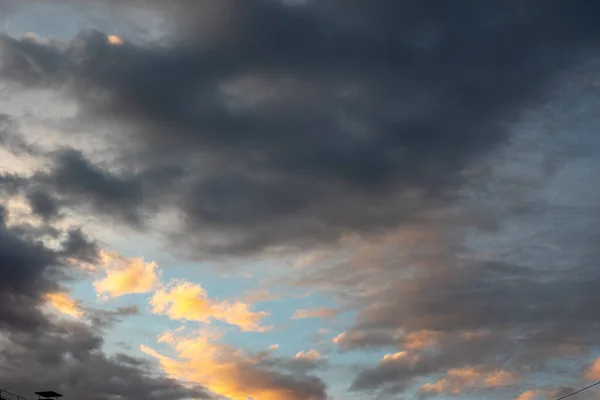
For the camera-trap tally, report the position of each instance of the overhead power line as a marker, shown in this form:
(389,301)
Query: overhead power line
(579,391)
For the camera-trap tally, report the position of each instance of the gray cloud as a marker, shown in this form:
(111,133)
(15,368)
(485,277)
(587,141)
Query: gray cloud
(295,126)
(43,204)
(37,351)
(24,270)
(504,275)
(292,109)
(68,358)
(106,318)
(80,246)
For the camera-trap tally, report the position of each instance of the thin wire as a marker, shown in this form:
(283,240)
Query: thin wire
(579,391)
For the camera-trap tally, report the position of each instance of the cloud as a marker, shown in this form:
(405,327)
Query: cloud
(229,373)
(400,356)
(43,204)
(321,312)
(75,176)
(457,380)
(432,152)
(530,395)
(103,319)
(41,350)
(310,355)
(184,300)
(420,340)
(114,40)
(363,339)
(68,356)
(126,276)
(63,303)
(25,266)
(241,125)
(79,247)
(593,371)
(480,279)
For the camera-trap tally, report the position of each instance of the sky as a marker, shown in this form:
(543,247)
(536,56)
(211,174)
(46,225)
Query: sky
(299,200)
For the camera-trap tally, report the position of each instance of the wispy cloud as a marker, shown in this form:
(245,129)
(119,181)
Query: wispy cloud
(457,380)
(321,312)
(530,395)
(63,303)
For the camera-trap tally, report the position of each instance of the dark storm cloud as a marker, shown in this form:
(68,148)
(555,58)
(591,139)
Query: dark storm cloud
(29,269)
(74,175)
(68,358)
(75,182)
(24,266)
(43,204)
(79,246)
(296,124)
(517,292)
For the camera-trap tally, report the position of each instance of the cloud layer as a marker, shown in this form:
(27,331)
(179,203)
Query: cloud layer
(431,166)
(331,109)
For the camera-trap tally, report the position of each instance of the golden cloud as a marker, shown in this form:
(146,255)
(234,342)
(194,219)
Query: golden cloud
(529,395)
(114,40)
(126,275)
(226,371)
(187,301)
(401,356)
(339,338)
(459,379)
(64,304)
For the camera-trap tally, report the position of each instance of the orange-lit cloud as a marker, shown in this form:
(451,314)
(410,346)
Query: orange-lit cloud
(63,303)
(339,338)
(227,372)
(593,371)
(420,340)
(186,301)
(530,395)
(114,40)
(311,355)
(499,378)
(320,312)
(459,379)
(401,356)
(126,275)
